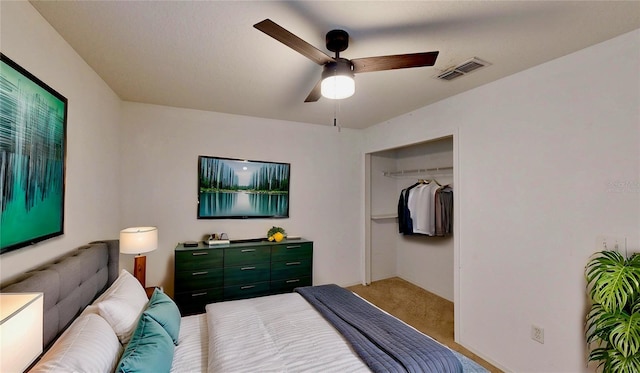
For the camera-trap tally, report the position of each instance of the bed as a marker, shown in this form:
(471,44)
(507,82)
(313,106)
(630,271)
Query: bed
(99,319)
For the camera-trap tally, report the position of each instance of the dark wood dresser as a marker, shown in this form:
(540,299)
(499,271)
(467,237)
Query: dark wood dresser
(241,269)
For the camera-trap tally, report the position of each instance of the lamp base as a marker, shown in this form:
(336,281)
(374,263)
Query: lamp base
(140,269)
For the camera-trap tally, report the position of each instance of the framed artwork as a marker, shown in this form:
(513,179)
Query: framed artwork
(33,121)
(242,189)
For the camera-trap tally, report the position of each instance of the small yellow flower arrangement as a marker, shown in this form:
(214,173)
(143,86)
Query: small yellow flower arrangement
(276,234)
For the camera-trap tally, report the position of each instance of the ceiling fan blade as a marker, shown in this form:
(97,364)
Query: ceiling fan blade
(315,93)
(398,61)
(285,37)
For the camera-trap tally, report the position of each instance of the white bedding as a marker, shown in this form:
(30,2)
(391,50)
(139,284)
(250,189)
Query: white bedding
(263,335)
(190,355)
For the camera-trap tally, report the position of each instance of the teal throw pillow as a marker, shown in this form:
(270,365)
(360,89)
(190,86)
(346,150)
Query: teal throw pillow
(149,350)
(164,311)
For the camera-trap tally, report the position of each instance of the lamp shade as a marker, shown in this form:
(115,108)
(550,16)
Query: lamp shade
(138,240)
(338,87)
(337,80)
(20,330)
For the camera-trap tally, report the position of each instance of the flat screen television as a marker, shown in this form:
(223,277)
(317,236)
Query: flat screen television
(33,123)
(242,189)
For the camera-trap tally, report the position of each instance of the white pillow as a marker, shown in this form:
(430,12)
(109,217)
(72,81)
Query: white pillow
(88,345)
(122,304)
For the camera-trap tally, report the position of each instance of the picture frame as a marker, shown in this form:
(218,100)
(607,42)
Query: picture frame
(33,143)
(231,188)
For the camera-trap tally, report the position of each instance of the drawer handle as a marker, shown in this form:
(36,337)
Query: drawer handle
(199,273)
(292,281)
(247,287)
(199,294)
(247,268)
(293,264)
(200,253)
(247,250)
(294,247)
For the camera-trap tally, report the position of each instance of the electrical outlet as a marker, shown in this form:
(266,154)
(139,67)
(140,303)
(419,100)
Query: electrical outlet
(537,333)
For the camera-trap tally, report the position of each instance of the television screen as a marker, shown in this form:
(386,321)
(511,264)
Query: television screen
(32,158)
(242,189)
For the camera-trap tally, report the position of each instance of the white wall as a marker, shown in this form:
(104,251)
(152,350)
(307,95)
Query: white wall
(92,164)
(548,160)
(159,183)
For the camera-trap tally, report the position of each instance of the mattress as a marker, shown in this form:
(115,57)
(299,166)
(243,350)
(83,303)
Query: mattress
(190,355)
(281,333)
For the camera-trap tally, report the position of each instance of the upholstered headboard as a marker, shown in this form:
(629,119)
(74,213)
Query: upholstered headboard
(70,283)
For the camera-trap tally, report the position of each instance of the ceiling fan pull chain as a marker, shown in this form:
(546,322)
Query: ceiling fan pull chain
(336,105)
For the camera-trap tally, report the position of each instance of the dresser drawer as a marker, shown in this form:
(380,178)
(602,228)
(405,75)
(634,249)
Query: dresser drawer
(290,269)
(187,260)
(198,279)
(246,255)
(292,251)
(287,286)
(246,291)
(191,302)
(246,274)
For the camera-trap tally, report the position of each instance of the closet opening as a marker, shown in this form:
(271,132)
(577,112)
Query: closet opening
(425,257)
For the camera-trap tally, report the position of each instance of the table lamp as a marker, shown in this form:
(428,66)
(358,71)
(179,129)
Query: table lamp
(139,240)
(21,330)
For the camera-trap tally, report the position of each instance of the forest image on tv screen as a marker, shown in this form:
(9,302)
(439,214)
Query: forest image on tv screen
(234,188)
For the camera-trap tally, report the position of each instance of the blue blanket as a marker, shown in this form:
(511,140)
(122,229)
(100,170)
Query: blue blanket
(383,342)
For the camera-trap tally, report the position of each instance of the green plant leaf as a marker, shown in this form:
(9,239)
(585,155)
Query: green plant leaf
(600,354)
(613,279)
(619,363)
(625,336)
(599,324)
(635,307)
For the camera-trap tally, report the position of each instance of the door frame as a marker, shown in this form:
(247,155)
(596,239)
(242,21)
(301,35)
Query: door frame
(457,221)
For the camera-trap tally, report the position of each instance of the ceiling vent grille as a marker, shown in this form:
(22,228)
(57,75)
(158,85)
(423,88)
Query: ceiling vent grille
(463,69)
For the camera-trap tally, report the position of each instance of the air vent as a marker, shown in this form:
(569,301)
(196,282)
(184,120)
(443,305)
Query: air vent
(450,75)
(462,69)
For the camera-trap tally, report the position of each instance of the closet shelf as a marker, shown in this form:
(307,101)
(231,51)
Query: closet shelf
(417,171)
(384,216)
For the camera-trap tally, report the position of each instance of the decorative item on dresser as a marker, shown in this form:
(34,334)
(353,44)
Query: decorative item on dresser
(241,269)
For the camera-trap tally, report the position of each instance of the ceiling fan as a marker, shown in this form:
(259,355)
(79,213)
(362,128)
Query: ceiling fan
(337,75)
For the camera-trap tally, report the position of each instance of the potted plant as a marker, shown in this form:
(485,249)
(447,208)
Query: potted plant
(613,323)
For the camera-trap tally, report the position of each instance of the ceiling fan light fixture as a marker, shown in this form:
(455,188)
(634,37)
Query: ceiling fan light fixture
(338,80)
(338,87)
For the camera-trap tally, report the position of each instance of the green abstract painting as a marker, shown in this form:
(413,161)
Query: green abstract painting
(32,158)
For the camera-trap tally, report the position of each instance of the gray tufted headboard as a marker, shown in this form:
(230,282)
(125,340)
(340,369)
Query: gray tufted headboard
(70,283)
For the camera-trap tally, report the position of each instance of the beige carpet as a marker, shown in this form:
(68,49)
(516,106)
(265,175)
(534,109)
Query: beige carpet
(419,308)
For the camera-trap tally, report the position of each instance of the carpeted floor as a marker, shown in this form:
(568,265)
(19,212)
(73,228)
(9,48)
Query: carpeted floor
(419,308)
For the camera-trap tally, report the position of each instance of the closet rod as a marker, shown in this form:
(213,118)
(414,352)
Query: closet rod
(418,170)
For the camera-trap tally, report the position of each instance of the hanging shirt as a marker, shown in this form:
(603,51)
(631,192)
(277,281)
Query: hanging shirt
(422,208)
(405,223)
(426,209)
(446,198)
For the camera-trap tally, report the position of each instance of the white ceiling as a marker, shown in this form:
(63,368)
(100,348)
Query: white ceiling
(206,55)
